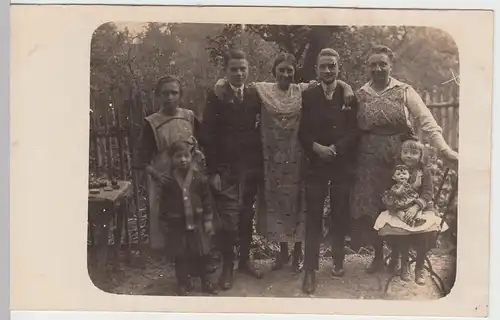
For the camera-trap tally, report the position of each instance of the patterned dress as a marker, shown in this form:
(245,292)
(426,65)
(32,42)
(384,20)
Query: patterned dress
(384,118)
(281,202)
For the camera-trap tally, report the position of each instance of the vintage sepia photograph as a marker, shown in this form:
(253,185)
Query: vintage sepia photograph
(245,160)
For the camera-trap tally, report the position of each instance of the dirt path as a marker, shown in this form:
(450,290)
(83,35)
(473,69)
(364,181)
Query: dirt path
(158,279)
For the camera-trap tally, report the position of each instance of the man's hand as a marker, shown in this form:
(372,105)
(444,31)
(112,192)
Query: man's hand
(323,152)
(209,227)
(161,178)
(215,182)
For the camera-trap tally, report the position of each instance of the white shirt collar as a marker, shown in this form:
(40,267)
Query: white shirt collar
(392,83)
(329,89)
(237,88)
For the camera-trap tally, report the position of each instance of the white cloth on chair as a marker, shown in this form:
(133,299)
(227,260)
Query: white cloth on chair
(387,225)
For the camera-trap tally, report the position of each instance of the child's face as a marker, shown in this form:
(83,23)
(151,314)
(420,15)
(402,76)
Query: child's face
(401,176)
(181,159)
(410,156)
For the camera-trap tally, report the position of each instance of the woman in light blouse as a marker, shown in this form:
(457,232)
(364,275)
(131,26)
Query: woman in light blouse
(385,108)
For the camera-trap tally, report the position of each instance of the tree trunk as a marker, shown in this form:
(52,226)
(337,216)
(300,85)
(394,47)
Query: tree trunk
(319,39)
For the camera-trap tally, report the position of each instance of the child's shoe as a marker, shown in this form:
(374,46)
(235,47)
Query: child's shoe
(419,276)
(208,287)
(405,271)
(182,290)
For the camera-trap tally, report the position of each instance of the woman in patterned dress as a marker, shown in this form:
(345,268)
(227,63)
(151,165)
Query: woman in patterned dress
(385,108)
(281,202)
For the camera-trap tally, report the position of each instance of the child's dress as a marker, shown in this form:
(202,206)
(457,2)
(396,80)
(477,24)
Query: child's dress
(421,183)
(400,196)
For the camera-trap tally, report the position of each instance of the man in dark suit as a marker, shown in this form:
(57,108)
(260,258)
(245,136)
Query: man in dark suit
(231,139)
(328,133)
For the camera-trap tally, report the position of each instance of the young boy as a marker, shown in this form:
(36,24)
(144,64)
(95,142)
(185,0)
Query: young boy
(187,214)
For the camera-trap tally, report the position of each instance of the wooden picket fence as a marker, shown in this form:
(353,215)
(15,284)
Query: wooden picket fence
(115,125)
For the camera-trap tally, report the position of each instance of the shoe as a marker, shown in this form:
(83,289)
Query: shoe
(375,266)
(419,276)
(419,222)
(405,271)
(226,277)
(394,265)
(250,269)
(297,263)
(182,290)
(280,262)
(209,287)
(309,284)
(338,272)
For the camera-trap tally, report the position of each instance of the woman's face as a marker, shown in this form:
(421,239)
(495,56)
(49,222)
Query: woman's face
(380,67)
(410,156)
(170,95)
(401,176)
(285,73)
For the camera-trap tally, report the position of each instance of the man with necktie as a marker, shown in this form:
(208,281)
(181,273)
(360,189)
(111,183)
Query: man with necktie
(328,134)
(233,149)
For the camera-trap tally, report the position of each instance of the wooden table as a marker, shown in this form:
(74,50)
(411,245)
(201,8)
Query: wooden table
(108,211)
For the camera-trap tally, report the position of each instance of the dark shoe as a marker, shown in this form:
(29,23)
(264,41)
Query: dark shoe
(394,265)
(297,264)
(226,277)
(405,271)
(182,290)
(190,285)
(309,284)
(249,268)
(375,266)
(338,272)
(419,276)
(418,222)
(209,287)
(280,262)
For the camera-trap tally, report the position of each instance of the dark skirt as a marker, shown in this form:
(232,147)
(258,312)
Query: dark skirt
(180,241)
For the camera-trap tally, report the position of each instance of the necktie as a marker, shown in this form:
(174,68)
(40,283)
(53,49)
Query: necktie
(239,94)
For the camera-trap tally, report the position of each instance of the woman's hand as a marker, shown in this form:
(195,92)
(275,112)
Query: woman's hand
(215,182)
(451,158)
(219,88)
(161,178)
(209,228)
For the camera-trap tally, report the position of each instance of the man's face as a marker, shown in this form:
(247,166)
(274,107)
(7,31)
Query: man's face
(237,71)
(327,69)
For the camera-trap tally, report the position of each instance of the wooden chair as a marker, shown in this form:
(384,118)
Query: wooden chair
(444,290)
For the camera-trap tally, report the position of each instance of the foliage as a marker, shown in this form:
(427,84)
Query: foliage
(127,60)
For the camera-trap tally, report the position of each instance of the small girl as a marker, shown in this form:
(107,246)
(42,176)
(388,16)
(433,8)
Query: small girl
(401,196)
(186,211)
(404,235)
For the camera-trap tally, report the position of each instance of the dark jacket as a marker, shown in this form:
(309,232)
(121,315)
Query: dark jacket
(230,131)
(329,122)
(172,204)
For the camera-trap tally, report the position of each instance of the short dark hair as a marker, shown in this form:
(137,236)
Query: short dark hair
(179,146)
(284,57)
(401,167)
(328,52)
(167,79)
(234,54)
(381,49)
